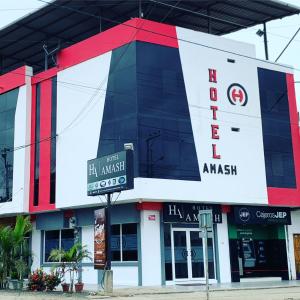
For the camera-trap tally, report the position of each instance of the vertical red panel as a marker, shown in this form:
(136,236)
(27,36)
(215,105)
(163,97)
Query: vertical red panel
(45,145)
(286,196)
(32,147)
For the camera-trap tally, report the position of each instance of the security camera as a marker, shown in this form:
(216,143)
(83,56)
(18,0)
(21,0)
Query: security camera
(128,146)
(72,222)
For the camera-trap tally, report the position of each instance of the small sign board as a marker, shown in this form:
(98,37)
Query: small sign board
(205,219)
(110,173)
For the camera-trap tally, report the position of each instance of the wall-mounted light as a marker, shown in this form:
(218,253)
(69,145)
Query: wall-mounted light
(128,146)
(260,32)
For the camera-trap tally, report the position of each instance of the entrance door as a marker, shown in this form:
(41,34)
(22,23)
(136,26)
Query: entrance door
(188,255)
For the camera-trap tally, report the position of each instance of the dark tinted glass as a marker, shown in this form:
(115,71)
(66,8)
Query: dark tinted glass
(166,142)
(119,123)
(8,102)
(277,138)
(168,254)
(51,242)
(67,239)
(53,140)
(37,147)
(129,242)
(146,104)
(115,243)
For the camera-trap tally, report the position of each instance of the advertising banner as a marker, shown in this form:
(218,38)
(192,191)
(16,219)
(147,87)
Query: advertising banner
(111,173)
(261,215)
(99,239)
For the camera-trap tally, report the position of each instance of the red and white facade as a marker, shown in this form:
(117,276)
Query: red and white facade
(228,137)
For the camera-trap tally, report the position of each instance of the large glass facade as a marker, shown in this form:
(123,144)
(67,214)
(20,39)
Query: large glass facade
(8,102)
(146,104)
(277,137)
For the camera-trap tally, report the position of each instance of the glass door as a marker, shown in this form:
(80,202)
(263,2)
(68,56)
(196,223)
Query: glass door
(188,255)
(180,254)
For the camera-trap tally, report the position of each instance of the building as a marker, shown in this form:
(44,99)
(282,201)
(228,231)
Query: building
(212,127)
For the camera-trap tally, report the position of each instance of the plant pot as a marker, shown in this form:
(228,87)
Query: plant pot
(65,287)
(78,287)
(15,283)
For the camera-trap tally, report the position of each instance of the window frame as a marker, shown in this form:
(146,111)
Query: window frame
(59,244)
(121,244)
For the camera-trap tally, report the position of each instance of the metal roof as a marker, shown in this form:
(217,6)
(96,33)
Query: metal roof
(62,23)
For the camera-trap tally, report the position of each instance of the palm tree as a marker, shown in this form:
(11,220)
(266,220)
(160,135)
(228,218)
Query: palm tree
(14,248)
(69,261)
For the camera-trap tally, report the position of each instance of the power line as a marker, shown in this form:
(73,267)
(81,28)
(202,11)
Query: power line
(287,44)
(172,37)
(97,89)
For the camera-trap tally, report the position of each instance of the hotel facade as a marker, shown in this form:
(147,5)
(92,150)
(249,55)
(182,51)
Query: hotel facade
(212,128)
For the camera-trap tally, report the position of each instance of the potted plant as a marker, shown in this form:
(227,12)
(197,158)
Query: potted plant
(13,248)
(52,280)
(13,279)
(78,286)
(37,280)
(69,261)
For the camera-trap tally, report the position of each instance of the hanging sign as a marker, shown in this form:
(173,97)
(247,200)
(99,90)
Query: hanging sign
(111,173)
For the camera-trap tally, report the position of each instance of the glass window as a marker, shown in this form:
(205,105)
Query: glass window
(129,242)
(124,242)
(115,243)
(146,104)
(58,239)
(67,239)
(51,242)
(168,254)
(280,170)
(8,102)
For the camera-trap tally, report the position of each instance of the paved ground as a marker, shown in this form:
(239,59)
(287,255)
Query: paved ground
(251,291)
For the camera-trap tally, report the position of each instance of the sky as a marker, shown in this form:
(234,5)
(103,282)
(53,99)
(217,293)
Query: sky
(279,33)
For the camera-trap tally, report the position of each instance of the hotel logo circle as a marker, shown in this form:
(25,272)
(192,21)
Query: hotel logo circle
(244,214)
(237,95)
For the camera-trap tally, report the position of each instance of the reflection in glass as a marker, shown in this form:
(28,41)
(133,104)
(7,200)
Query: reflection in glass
(197,255)
(8,102)
(180,254)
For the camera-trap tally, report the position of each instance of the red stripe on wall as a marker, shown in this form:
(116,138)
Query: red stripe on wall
(44,75)
(12,80)
(285,196)
(45,146)
(132,30)
(32,148)
(149,206)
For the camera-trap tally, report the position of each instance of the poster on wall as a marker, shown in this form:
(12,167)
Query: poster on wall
(99,240)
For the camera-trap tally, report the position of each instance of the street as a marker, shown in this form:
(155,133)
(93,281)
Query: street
(286,293)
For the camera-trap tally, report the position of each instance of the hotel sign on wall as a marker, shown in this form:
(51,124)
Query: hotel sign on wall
(111,173)
(188,212)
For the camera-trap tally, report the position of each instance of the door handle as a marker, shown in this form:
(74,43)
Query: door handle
(193,253)
(184,253)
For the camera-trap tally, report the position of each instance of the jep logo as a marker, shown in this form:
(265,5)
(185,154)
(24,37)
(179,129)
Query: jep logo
(237,95)
(244,214)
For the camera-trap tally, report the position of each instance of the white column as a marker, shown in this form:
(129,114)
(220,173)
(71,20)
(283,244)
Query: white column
(223,250)
(150,246)
(35,247)
(89,274)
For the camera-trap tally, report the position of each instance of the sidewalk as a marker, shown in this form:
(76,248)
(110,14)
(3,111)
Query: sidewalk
(282,290)
(193,288)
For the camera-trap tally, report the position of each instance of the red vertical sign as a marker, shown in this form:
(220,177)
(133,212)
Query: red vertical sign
(99,239)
